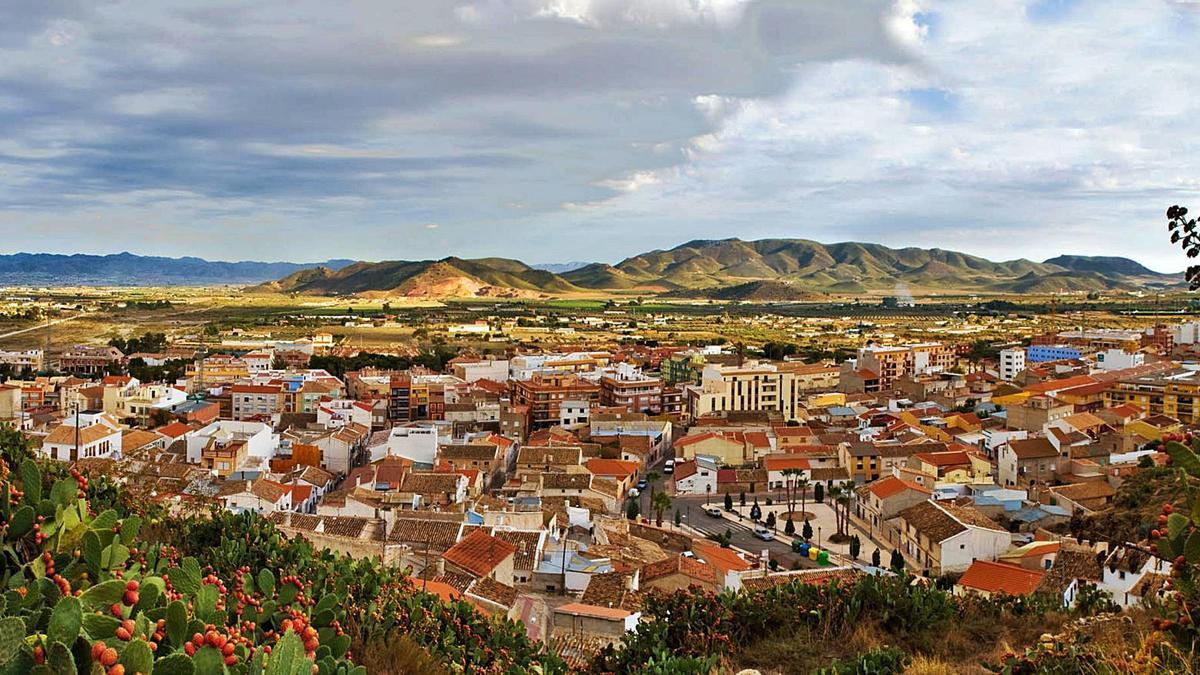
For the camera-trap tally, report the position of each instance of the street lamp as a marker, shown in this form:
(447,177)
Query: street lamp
(818,536)
(707,492)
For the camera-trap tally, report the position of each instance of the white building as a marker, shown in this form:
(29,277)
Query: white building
(696,476)
(261,440)
(483,369)
(420,444)
(1012,362)
(574,414)
(1119,359)
(338,413)
(95,436)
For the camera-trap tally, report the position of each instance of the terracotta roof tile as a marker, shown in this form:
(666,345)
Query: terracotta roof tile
(994,577)
(479,553)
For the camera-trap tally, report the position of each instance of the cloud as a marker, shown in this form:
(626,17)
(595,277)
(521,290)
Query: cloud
(1003,127)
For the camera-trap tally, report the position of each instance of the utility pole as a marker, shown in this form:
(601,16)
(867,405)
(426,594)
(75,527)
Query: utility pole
(563,590)
(75,410)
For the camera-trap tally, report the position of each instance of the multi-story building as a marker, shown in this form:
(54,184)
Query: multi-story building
(1012,362)
(1057,352)
(1172,393)
(31,359)
(89,359)
(628,387)
(891,363)
(755,386)
(216,369)
(543,395)
(248,401)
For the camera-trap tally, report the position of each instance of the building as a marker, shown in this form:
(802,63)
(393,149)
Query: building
(1173,393)
(83,437)
(1027,462)
(256,401)
(481,555)
(988,578)
(938,538)
(90,359)
(1042,353)
(544,394)
(1119,359)
(891,363)
(1036,412)
(886,497)
(755,387)
(1012,363)
(628,387)
(31,359)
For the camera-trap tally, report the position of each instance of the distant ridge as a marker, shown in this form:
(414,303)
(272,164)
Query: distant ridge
(1103,264)
(732,269)
(127,269)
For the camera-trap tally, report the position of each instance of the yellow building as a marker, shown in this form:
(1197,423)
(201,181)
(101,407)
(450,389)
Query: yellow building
(1174,394)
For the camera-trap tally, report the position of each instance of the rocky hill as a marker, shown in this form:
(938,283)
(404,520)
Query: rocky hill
(732,269)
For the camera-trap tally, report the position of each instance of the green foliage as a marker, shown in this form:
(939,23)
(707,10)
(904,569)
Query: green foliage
(882,661)
(81,580)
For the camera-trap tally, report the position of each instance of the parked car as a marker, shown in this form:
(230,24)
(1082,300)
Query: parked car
(641,484)
(633,493)
(669,467)
(763,533)
(713,511)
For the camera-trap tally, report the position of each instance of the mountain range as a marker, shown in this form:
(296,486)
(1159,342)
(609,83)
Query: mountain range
(127,269)
(775,269)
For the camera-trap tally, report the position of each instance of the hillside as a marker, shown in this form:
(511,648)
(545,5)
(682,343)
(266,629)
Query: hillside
(1112,266)
(732,269)
(844,267)
(449,277)
(127,269)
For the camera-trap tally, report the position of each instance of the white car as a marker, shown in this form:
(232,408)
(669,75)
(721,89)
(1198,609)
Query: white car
(713,511)
(763,533)
(669,467)
(633,493)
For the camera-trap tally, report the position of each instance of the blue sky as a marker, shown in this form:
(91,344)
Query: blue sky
(554,130)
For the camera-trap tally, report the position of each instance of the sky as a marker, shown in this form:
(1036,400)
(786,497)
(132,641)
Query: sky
(583,130)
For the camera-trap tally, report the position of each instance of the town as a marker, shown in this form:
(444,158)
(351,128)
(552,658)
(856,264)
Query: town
(557,487)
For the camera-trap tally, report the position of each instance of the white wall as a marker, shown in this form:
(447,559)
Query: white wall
(416,443)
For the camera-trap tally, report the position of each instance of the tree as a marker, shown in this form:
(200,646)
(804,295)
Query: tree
(790,527)
(728,502)
(727,537)
(678,518)
(897,562)
(876,559)
(632,509)
(652,477)
(660,503)
(1183,232)
(771,520)
(855,547)
(819,493)
(802,485)
(835,495)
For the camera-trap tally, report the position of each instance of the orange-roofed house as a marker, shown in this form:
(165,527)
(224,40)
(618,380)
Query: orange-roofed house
(728,563)
(988,578)
(884,498)
(727,450)
(479,555)
(680,572)
(605,623)
(779,467)
(622,471)
(953,466)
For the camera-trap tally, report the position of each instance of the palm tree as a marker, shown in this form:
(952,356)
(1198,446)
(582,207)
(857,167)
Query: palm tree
(835,493)
(802,484)
(660,502)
